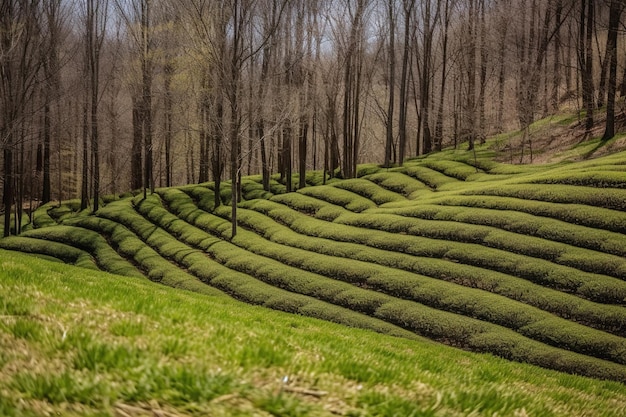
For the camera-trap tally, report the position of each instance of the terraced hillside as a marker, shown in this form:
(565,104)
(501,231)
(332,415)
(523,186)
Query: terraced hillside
(524,262)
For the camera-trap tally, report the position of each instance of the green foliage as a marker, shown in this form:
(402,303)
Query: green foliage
(369,190)
(66,253)
(459,170)
(230,359)
(521,262)
(433,179)
(339,197)
(399,183)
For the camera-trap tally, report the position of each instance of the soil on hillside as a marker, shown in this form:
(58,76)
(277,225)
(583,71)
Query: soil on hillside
(557,141)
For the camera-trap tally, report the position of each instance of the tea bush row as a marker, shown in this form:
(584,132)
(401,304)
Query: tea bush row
(311,284)
(520,243)
(608,198)
(310,205)
(266,218)
(522,223)
(89,241)
(578,214)
(454,169)
(424,290)
(343,198)
(436,293)
(595,287)
(598,179)
(237,284)
(369,190)
(399,183)
(430,177)
(157,268)
(65,253)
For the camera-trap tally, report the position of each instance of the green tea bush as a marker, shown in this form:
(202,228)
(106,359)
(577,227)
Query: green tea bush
(578,214)
(89,241)
(66,253)
(369,190)
(302,202)
(203,195)
(366,169)
(512,347)
(613,199)
(339,197)
(430,177)
(607,290)
(41,217)
(522,223)
(598,179)
(438,294)
(398,183)
(455,169)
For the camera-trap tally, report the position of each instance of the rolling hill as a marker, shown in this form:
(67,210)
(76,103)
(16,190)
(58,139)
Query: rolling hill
(525,262)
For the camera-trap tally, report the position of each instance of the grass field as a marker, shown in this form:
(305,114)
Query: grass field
(82,342)
(525,263)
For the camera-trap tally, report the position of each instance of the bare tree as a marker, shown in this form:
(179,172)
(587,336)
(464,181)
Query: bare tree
(20,63)
(95,21)
(615,12)
(391,81)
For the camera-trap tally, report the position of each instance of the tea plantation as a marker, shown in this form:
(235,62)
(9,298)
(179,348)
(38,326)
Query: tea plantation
(526,263)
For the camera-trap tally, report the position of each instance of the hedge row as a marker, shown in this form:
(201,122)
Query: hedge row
(579,214)
(240,285)
(340,197)
(597,178)
(595,287)
(157,268)
(613,199)
(261,217)
(454,169)
(523,223)
(310,205)
(89,241)
(343,294)
(399,183)
(433,179)
(442,295)
(521,243)
(65,253)
(41,217)
(398,283)
(370,190)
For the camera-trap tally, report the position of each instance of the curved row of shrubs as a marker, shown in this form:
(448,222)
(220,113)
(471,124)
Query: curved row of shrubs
(65,253)
(524,244)
(202,267)
(578,214)
(259,217)
(522,223)
(433,323)
(441,295)
(599,288)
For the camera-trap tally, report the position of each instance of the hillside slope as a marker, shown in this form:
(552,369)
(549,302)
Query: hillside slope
(524,262)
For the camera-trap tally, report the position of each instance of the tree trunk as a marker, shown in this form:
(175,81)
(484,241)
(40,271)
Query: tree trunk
(391,83)
(46,193)
(615,12)
(438,139)
(136,158)
(586,52)
(167,81)
(403,105)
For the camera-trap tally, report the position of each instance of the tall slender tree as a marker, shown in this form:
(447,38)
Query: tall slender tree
(20,64)
(615,12)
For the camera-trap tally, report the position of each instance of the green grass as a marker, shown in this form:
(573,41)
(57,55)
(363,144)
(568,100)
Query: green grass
(522,262)
(228,359)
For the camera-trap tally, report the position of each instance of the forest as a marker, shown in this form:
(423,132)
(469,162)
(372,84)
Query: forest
(106,97)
